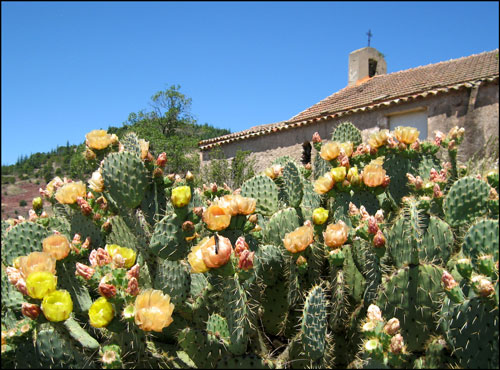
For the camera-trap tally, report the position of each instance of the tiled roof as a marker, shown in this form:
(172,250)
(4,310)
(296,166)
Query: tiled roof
(384,90)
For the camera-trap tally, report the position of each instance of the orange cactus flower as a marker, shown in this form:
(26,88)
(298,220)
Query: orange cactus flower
(335,235)
(228,202)
(299,239)
(36,261)
(153,310)
(407,135)
(330,150)
(216,251)
(57,245)
(217,218)
(68,193)
(373,174)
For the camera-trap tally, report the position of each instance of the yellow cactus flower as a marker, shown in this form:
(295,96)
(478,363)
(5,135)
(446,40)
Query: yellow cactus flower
(57,245)
(320,215)
(330,150)
(56,181)
(338,173)
(324,183)
(299,239)
(352,174)
(407,135)
(181,196)
(36,261)
(98,139)
(378,139)
(101,313)
(57,305)
(96,182)
(40,283)
(153,310)
(68,193)
(348,148)
(217,218)
(335,235)
(128,254)
(195,258)
(144,146)
(373,174)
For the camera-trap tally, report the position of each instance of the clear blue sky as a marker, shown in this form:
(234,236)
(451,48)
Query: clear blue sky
(71,67)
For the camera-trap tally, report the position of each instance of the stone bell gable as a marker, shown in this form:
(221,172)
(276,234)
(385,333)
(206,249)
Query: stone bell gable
(459,92)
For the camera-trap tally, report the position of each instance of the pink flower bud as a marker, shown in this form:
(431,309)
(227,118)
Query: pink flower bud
(161,160)
(411,178)
(439,138)
(437,191)
(353,210)
(240,246)
(213,187)
(433,174)
(157,173)
(448,280)
(99,257)
(379,216)
(415,145)
(134,271)
(118,260)
(397,344)
(30,310)
(84,206)
(107,290)
(246,260)
(13,275)
(316,138)
(84,271)
(198,211)
(86,243)
(32,216)
(452,145)
(188,226)
(379,239)
(374,313)
(392,326)
(364,214)
(391,143)
(372,225)
(386,182)
(21,286)
(132,287)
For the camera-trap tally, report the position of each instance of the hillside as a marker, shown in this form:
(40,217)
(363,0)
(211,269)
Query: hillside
(168,127)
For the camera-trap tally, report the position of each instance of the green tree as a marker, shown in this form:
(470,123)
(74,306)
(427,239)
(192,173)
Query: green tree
(170,109)
(242,168)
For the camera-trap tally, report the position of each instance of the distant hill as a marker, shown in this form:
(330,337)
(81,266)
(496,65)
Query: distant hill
(168,127)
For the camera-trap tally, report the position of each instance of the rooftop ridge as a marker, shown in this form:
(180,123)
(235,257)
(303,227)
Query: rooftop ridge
(394,74)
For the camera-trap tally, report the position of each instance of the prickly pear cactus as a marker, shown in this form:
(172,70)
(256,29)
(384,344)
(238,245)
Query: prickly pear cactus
(380,257)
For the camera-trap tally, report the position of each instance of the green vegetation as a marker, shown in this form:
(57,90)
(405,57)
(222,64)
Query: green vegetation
(168,126)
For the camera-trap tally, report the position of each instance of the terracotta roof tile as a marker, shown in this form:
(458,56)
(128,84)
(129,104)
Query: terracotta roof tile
(385,90)
(407,82)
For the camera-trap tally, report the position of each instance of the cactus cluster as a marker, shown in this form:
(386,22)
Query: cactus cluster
(377,255)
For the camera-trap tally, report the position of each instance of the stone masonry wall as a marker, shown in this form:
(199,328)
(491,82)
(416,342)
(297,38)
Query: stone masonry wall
(476,111)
